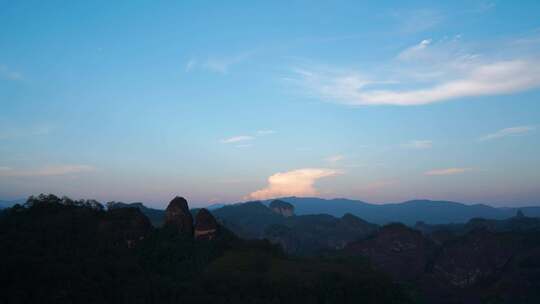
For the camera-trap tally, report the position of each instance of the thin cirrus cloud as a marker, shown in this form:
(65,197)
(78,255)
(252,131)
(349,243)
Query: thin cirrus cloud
(513,131)
(334,158)
(447,171)
(265,132)
(419,144)
(245,138)
(57,170)
(237,139)
(429,72)
(293,183)
(220,65)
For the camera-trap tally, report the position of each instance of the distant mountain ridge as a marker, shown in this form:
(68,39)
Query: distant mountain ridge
(10,203)
(409,212)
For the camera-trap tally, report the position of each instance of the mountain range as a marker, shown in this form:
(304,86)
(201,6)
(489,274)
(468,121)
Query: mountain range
(10,203)
(61,250)
(409,212)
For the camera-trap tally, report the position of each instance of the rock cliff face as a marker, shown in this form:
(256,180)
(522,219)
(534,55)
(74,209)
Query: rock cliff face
(178,217)
(464,266)
(283,208)
(397,250)
(475,256)
(206,225)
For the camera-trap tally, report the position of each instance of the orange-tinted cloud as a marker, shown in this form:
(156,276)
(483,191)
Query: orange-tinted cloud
(292,183)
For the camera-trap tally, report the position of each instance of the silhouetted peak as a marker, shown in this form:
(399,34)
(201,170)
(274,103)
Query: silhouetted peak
(281,207)
(519,213)
(205,225)
(179,203)
(178,217)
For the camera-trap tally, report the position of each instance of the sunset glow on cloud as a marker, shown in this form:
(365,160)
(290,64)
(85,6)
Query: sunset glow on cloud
(292,183)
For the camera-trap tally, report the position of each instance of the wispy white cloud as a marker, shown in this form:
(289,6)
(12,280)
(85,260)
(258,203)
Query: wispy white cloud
(265,132)
(419,144)
(292,183)
(244,138)
(190,65)
(513,131)
(334,158)
(220,65)
(236,139)
(413,51)
(9,74)
(429,72)
(46,171)
(448,171)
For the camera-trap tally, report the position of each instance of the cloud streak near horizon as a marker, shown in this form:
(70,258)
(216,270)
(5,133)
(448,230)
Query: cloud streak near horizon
(419,144)
(46,171)
(236,139)
(513,131)
(447,171)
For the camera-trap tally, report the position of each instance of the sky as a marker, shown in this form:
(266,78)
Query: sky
(230,101)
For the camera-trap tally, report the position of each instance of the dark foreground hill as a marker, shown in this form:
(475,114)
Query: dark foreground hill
(156,216)
(481,264)
(56,250)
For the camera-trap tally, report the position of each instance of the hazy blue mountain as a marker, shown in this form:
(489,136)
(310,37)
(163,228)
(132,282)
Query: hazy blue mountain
(8,204)
(433,212)
(215,206)
(410,212)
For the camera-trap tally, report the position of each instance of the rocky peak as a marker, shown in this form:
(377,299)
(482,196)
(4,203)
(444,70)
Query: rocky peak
(281,207)
(205,225)
(178,217)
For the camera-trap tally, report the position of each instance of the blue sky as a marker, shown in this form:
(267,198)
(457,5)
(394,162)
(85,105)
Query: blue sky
(223,102)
